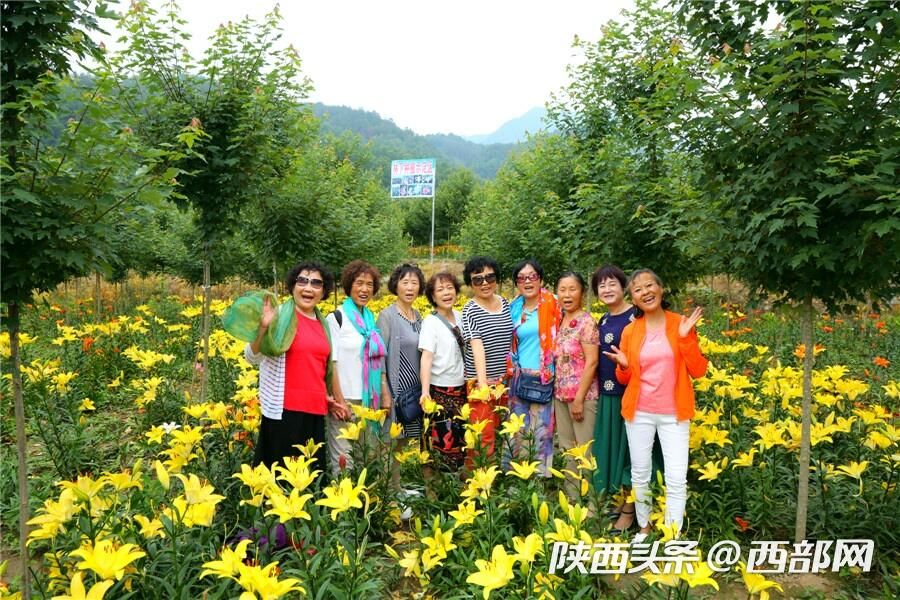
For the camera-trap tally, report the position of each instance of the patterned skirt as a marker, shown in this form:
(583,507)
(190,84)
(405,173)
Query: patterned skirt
(447,433)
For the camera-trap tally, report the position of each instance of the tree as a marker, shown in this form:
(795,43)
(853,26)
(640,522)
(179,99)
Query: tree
(529,210)
(344,214)
(799,131)
(635,184)
(239,108)
(453,191)
(62,197)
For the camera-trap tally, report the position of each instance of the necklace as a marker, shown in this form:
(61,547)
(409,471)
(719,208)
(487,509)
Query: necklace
(409,317)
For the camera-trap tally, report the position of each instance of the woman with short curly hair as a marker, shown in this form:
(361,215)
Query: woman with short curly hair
(358,354)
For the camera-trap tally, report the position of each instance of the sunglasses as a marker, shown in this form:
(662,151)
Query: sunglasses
(482,279)
(316,284)
(524,278)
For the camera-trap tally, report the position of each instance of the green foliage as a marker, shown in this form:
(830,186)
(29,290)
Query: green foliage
(453,192)
(529,211)
(798,131)
(62,196)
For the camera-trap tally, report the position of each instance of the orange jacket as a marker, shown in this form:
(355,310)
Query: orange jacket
(689,362)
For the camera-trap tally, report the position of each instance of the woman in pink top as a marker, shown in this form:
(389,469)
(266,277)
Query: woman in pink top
(577,353)
(659,355)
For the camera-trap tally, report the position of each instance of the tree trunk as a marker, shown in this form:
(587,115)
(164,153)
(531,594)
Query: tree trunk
(207,297)
(98,303)
(21,445)
(274,278)
(806,335)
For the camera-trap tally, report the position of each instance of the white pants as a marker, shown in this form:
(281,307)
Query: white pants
(674,438)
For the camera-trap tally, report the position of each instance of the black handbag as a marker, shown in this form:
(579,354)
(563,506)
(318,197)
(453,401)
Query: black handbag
(528,387)
(406,406)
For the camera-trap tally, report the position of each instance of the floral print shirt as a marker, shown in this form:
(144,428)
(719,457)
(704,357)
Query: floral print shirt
(570,357)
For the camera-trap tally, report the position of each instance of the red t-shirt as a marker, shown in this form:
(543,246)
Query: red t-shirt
(304,368)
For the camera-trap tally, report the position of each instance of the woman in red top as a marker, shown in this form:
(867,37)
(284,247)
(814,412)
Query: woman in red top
(658,356)
(294,387)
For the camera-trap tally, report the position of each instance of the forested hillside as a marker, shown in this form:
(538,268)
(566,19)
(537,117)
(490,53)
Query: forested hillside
(390,142)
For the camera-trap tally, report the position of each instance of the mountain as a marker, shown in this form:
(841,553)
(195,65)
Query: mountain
(514,131)
(390,142)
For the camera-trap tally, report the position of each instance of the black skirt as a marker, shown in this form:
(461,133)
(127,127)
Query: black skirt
(277,438)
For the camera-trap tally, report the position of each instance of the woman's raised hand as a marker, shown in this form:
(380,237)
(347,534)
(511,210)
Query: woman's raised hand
(688,323)
(268,314)
(618,356)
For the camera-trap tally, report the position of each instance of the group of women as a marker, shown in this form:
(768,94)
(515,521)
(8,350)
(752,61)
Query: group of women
(617,385)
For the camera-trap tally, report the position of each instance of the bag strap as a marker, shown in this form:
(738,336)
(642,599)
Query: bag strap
(339,317)
(455,330)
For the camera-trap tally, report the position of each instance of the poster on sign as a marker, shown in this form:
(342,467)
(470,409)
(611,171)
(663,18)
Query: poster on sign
(413,178)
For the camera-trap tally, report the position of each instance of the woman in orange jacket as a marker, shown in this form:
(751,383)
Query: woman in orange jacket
(658,356)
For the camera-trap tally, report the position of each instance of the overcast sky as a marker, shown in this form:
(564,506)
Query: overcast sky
(462,67)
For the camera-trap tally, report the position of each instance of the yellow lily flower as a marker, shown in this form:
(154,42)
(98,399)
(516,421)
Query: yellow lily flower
(105,559)
(495,573)
(523,470)
(289,507)
(528,548)
(343,496)
(756,583)
(465,513)
(513,424)
(77,590)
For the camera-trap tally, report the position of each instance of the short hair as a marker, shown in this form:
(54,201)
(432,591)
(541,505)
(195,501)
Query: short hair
(534,265)
(353,270)
(609,272)
(291,279)
(401,272)
(664,304)
(574,275)
(433,281)
(477,264)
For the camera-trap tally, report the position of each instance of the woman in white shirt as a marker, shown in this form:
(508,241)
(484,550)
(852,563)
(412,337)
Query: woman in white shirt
(358,353)
(442,368)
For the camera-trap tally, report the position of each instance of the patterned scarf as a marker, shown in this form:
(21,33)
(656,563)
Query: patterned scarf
(549,318)
(373,352)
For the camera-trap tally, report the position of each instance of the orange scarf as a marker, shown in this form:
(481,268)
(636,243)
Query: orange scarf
(549,319)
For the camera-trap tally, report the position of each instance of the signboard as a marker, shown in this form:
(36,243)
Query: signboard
(413,178)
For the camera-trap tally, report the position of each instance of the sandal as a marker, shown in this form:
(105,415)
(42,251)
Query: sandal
(617,531)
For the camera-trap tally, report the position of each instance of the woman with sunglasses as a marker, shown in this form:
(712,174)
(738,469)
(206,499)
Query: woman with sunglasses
(531,366)
(489,333)
(294,387)
(658,357)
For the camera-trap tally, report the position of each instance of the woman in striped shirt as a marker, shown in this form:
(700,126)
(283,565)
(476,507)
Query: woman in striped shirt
(294,388)
(489,333)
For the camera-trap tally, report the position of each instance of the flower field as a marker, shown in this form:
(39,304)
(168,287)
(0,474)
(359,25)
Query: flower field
(140,490)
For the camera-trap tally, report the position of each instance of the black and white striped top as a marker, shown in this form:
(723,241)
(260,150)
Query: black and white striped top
(271,382)
(495,332)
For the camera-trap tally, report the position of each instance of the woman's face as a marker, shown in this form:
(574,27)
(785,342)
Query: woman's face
(570,294)
(484,283)
(610,291)
(408,288)
(363,289)
(646,293)
(528,282)
(308,290)
(444,294)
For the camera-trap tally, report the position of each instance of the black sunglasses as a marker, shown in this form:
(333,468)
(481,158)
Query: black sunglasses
(482,279)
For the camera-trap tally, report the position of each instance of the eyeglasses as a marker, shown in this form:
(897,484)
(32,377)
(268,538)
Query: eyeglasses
(316,284)
(524,278)
(482,279)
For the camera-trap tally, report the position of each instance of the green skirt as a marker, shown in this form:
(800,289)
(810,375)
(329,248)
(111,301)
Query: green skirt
(611,448)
